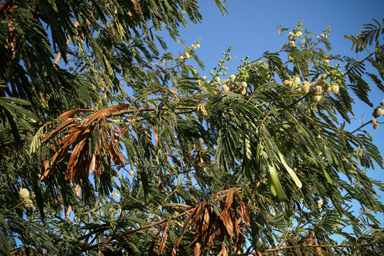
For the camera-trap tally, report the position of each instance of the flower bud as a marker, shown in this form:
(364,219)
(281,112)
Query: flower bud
(204,78)
(292,43)
(376,126)
(318,89)
(130,172)
(217,79)
(187,55)
(244,84)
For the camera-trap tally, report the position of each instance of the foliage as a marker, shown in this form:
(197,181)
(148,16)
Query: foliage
(129,151)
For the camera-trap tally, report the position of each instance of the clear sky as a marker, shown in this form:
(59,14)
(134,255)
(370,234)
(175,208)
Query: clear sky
(250,27)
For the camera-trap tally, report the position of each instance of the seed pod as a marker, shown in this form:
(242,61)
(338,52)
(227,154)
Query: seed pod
(373,120)
(318,89)
(305,88)
(225,88)
(335,88)
(376,126)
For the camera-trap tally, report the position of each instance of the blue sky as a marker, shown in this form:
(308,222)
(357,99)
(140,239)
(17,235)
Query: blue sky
(250,27)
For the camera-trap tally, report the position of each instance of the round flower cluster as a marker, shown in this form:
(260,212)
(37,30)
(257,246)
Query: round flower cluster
(375,124)
(319,204)
(25,196)
(379,111)
(195,46)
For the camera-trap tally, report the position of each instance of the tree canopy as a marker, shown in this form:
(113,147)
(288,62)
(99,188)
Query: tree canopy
(112,145)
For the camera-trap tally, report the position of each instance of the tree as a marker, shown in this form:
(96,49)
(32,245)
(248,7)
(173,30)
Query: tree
(126,151)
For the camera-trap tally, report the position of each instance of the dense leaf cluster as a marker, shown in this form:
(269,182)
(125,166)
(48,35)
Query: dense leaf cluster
(129,151)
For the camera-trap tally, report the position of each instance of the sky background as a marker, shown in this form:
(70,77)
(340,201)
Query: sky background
(250,27)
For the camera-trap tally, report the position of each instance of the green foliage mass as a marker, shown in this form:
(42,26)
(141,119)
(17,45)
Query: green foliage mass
(128,151)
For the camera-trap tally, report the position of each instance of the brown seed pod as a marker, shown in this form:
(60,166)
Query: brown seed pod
(318,89)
